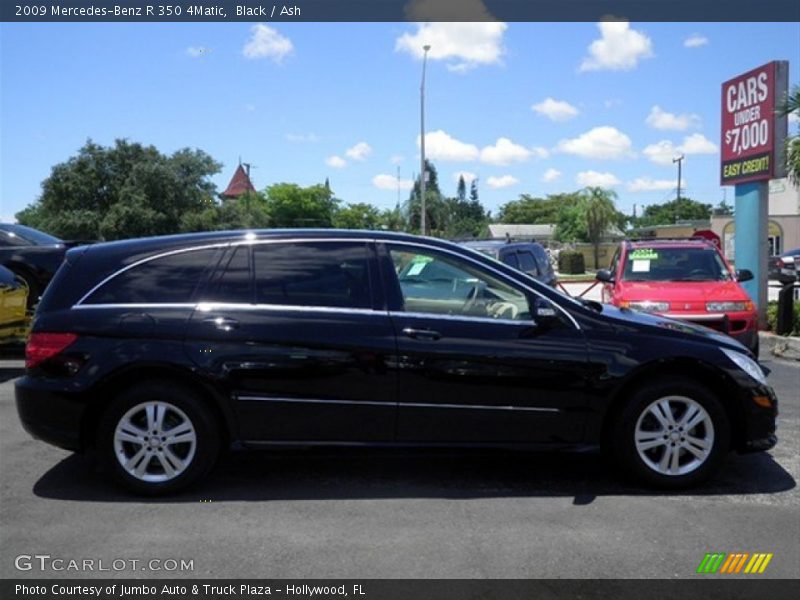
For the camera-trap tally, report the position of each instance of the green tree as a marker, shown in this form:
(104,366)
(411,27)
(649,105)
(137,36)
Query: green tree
(435,207)
(289,205)
(357,216)
(461,192)
(792,106)
(245,212)
(122,191)
(600,214)
(670,212)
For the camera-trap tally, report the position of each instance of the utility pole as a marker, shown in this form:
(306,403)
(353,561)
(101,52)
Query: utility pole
(422,172)
(678,159)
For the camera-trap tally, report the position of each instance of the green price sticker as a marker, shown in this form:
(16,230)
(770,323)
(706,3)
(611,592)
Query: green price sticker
(643,254)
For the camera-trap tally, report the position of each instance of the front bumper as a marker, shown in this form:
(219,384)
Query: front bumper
(741,326)
(760,422)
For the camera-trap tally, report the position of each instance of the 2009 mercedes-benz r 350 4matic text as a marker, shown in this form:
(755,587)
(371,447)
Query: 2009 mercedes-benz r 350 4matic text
(157,353)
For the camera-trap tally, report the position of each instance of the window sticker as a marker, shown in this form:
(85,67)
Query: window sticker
(643,254)
(641,266)
(416,267)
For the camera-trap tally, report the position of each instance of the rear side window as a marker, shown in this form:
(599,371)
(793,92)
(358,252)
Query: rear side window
(511,260)
(329,274)
(170,279)
(235,283)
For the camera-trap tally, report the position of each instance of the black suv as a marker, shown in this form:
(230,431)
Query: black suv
(528,257)
(158,353)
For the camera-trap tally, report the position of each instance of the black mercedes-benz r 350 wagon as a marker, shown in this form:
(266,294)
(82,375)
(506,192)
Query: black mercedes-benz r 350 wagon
(158,353)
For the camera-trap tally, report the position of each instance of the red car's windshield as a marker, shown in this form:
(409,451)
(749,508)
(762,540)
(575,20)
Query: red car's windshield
(675,264)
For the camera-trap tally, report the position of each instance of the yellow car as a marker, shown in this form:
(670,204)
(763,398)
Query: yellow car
(13,308)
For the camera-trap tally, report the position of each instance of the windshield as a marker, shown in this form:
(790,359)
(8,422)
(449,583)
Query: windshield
(33,236)
(675,264)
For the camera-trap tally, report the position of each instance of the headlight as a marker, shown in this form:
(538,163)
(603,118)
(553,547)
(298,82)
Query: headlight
(747,365)
(647,306)
(728,306)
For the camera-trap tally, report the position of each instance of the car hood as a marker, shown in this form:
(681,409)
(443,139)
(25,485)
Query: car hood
(682,291)
(679,328)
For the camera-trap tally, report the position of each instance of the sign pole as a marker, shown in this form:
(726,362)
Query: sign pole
(751,218)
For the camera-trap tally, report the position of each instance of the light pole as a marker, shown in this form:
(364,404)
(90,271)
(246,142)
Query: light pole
(678,159)
(422,171)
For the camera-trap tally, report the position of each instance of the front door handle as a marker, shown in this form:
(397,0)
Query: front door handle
(422,334)
(222,323)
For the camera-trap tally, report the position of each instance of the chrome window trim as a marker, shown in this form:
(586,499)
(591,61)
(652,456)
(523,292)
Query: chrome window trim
(468,318)
(250,398)
(503,277)
(226,244)
(210,306)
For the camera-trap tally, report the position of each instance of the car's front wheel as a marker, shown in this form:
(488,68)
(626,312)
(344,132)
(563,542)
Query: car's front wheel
(672,434)
(157,438)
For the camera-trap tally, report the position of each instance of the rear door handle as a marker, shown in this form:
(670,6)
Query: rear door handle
(222,323)
(422,334)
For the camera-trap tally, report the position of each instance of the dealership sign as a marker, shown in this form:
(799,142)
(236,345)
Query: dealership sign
(752,134)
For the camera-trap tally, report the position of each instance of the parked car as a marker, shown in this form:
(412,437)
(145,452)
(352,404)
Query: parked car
(783,268)
(683,279)
(157,353)
(32,255)
(13,305)
(528,257)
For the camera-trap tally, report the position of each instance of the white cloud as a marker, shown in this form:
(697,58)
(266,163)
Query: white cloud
(467,175)
(661,152)
(196,51)
(661,119)
(794,118)
(600,142)
(647,184)
(595,179)
(250,107)
(664,151)
(695,41)
(391,182)
(463,46)
(502,182)
(359,152)
(555,110)
(397,159)
(698,144)
(266,42)
(551,175)
(612,102)
(505,152)
(302,138)
(440,145)
(619,48)
(337,162)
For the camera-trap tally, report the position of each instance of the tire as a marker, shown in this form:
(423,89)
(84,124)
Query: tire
(150,464)
(756,347)
(700,450)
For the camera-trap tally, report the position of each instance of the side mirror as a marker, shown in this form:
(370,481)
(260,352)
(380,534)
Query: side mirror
(544,312)
(744,275)
(605,276)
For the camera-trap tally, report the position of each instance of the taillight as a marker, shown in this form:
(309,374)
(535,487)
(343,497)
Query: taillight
(42,346)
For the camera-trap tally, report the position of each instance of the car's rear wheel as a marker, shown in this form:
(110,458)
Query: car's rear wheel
(157,438)
(672,434)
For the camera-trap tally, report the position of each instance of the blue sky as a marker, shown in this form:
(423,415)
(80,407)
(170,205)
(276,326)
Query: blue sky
(526,107)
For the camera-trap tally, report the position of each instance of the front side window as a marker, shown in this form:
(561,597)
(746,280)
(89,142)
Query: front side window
(169,279)
(323,274)
(527,264)
(435,283)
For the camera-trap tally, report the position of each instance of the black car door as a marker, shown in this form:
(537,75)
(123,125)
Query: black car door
(297,333)
(472,364)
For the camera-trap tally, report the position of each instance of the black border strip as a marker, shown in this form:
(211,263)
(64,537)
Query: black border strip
(401,10)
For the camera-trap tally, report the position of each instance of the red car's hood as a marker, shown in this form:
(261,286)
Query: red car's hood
(681,291)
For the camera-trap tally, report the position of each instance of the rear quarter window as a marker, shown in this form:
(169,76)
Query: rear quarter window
(169,279)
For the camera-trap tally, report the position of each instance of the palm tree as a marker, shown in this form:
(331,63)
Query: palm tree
(599,214)
(792,106)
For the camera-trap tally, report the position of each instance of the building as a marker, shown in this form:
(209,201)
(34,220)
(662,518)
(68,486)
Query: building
(784,221)
(240,183)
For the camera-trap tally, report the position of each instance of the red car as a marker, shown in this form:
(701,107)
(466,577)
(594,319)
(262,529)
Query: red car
(688,280)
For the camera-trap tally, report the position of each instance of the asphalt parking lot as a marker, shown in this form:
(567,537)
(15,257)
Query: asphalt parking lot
(401,514)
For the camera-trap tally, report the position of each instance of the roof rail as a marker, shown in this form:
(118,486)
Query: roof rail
(695,238)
